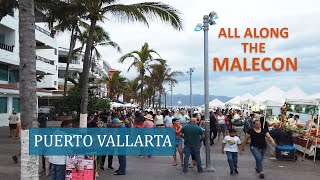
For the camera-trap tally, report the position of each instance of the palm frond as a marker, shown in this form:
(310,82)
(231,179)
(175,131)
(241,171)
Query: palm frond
(125,13)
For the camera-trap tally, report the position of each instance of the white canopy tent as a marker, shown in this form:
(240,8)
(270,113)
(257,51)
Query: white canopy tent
(273,94)
(116,105)
(234,101)
(246,97)
(216,103)
(294,93)
(129,105)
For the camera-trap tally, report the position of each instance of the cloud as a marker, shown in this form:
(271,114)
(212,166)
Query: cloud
(184,49)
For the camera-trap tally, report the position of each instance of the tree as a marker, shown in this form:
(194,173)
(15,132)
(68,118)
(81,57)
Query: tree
(161,74)
(71,20)
(28,86)
(141,60)
(116,85)
(100,38)
(7,7)
(96,11)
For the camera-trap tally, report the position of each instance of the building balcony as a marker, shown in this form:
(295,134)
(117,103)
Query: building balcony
(46,66)
(44,38)
(73,66)
(6,47)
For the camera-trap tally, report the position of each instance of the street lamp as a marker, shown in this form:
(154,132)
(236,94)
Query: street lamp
(191,70)
(207,20)
(179,102)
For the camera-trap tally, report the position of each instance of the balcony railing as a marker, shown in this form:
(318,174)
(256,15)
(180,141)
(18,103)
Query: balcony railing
(45,60)
(44,31)
(6,47)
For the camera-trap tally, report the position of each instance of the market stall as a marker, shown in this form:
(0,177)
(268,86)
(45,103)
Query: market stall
(307,141)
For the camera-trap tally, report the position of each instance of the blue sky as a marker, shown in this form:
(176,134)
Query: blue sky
(185,49)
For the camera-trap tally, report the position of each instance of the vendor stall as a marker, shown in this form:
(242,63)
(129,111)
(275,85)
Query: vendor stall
(308,141)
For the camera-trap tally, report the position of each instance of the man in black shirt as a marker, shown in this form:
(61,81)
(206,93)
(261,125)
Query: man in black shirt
(213,128)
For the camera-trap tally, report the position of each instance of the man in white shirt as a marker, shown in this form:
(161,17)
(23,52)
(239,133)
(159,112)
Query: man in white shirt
(168,119)
(183,118)
(58,163)
(13,121)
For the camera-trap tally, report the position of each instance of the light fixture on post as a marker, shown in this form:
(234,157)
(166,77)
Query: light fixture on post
(207,20)
(191,70)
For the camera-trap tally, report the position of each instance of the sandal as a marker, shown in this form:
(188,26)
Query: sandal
(174,164)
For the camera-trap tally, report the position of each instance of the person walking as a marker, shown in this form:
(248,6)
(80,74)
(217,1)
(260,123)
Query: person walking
(192,135)
(122,158)
(222,127)
(231,145)
(13,121)
(158,120)
(258,144)
(42,119)
(58,163)
(213,128)
(176,125)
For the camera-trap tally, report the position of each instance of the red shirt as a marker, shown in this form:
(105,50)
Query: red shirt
(177,128)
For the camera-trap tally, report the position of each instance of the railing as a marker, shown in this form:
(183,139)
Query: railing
(6,47)
(45,60)
(43,31)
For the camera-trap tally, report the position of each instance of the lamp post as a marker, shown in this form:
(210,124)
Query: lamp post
(191,70)
(207,20)
(179,102)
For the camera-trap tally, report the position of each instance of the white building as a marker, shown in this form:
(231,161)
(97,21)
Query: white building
(75,65)
(100,70)
(47,64)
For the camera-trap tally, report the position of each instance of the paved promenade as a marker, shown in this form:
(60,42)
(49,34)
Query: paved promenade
(160,167)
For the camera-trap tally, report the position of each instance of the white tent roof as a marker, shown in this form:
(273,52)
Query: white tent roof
(246,97)
(130,105)
(295,92)
(115,104)
(216,103)
(272,94)
(313,99)
(236,100)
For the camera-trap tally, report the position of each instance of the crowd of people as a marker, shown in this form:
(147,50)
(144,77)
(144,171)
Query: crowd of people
(190,136)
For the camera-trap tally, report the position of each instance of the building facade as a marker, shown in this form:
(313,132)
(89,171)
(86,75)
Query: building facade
(46,59)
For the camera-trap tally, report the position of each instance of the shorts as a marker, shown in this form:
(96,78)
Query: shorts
(222,127)
(178,142)
(13,126)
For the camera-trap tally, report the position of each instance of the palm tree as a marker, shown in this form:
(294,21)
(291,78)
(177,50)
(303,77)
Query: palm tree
(132,90)
(7,7)
(71,20)
(100,38)
(141,60)
(116,85)
(96,11)
(162,74)
(28,86)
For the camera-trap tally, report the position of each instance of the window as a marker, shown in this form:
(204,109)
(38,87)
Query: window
(3,72)
(3,105)
(13,76)
(16,104)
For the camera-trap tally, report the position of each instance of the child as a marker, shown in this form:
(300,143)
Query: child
(231,145)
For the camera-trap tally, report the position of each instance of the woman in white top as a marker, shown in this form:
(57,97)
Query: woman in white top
(221,125)
(159,119)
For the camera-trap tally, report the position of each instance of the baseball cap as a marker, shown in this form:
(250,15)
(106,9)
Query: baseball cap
(116,120)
